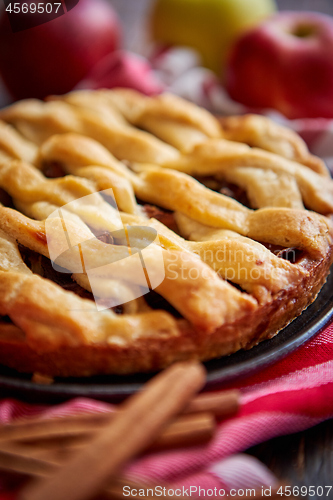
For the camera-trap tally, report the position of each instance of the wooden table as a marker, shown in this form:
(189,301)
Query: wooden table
(302,459)
(306,458)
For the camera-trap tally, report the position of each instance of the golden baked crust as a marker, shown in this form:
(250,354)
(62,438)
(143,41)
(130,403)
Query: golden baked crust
(169,153)
(261,132)
(164,345)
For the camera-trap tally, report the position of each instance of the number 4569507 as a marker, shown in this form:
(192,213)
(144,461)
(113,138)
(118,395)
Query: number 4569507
(40,8)
(303,491)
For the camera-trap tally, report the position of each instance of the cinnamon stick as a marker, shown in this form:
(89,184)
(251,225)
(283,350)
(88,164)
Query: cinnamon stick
(191,430)
(42,468)
(10,461)
(131,431)
(187,430)
(222,405)
(75,425)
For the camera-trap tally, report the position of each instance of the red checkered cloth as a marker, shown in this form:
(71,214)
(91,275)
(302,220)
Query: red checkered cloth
(289,396)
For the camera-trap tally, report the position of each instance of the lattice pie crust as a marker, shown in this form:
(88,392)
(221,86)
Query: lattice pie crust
(235,273)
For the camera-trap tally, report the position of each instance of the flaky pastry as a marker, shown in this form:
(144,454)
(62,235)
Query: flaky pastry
(238,207)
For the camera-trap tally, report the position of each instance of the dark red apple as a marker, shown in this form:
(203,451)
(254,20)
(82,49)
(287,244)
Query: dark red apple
(53,57)
(286,64)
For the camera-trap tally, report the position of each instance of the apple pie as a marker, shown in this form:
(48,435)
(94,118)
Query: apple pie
(101,191)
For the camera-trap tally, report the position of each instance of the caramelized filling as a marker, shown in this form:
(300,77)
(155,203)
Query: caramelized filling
(227,189)
(155,301)
(43,267)
(292,254)
(5,319)
(166,217)
(6,199)
(53,170)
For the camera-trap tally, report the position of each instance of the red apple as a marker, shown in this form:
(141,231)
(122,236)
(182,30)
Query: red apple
(286,64)
(53,57)
(123,69)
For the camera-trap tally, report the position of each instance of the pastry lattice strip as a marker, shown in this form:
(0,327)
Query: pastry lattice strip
(263,277)
(235,258)
(168,117)
(38,121)
(216,157)
(261,132)
(172,190)
(14,146)
(184,125)
(203,298)
(52,317)
(179,192)
(40,197)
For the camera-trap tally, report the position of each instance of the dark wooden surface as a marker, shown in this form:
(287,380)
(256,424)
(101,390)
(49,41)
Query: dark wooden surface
(302,459)
(306,458)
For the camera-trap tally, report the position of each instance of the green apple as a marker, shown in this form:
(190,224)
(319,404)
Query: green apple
(209,26)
